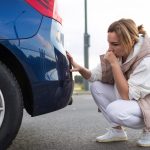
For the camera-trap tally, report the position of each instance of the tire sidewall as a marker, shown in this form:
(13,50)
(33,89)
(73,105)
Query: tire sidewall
(13,107)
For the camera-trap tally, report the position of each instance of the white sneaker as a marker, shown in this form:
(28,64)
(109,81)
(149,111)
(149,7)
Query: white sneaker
(113,135)
(144,139)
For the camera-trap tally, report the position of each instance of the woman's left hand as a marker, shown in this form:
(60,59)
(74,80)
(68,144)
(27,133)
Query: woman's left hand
(111,58)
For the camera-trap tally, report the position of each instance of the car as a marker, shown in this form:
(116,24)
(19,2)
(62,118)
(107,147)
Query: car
(34,69)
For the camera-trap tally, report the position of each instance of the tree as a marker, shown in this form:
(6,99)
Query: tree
(78,79)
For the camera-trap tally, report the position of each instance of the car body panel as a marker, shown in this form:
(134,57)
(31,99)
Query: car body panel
(36,42)
(16,16)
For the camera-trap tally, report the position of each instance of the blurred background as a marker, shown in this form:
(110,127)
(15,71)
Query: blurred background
(100,14)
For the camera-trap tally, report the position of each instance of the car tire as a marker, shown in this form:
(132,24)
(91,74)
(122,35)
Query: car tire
(11,107)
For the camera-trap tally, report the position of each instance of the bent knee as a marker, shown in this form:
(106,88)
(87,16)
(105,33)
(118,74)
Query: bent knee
(96,86)
(116,114)
(111,112)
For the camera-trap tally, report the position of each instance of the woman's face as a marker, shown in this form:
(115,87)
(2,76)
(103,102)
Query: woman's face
(115,45)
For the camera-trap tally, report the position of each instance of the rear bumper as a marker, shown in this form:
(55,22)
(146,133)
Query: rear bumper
(51,96)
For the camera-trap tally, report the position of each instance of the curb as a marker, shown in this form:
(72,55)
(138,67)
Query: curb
(81,93)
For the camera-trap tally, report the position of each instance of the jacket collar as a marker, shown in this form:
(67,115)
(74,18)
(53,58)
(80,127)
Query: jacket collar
(136,50)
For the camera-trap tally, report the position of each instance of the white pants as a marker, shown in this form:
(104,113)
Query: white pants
(117,111)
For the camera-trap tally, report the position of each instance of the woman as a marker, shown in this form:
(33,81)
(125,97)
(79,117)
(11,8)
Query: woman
(120,84)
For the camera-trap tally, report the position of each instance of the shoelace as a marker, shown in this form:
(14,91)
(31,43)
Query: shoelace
(110,131)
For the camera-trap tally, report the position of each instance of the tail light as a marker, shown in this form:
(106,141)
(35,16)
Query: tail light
(46,7)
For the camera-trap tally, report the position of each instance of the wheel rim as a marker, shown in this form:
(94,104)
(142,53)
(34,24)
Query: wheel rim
(2,108)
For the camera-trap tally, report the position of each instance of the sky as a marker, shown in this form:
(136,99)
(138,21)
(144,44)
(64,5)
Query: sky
(101,13)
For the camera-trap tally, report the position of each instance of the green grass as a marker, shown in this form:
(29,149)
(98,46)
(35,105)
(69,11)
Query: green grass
(78,87)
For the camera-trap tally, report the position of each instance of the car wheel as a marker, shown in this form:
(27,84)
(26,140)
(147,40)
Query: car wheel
(11,107)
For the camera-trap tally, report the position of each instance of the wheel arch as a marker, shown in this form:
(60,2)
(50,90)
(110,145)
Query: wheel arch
(20,75)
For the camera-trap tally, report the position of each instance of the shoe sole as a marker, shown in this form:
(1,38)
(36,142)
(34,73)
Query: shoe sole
(112,140)
(143,145)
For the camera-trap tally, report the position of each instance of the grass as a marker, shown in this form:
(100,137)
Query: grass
(78,87)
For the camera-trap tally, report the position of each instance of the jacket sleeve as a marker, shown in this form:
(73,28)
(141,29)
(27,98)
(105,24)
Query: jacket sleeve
(139,81)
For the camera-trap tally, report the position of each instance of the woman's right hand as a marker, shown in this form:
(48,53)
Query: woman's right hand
(76,67)
(86,73)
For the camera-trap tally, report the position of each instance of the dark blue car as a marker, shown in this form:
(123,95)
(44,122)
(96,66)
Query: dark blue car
(34,69)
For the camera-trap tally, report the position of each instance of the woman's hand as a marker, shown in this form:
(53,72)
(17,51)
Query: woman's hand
(86,73)
(76,67)
(111,58)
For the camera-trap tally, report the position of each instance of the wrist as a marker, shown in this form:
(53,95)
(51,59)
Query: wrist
(113,64)
(80,68)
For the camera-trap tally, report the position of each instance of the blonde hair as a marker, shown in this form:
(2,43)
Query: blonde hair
(127,31)
(141,30)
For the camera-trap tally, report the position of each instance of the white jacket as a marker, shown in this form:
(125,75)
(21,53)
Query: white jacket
(139,81)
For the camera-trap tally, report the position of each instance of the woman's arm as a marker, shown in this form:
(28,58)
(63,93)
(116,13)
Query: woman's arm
(86,73)
(120,80)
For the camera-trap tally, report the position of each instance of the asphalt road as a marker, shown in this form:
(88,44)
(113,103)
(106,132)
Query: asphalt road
(72,128)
